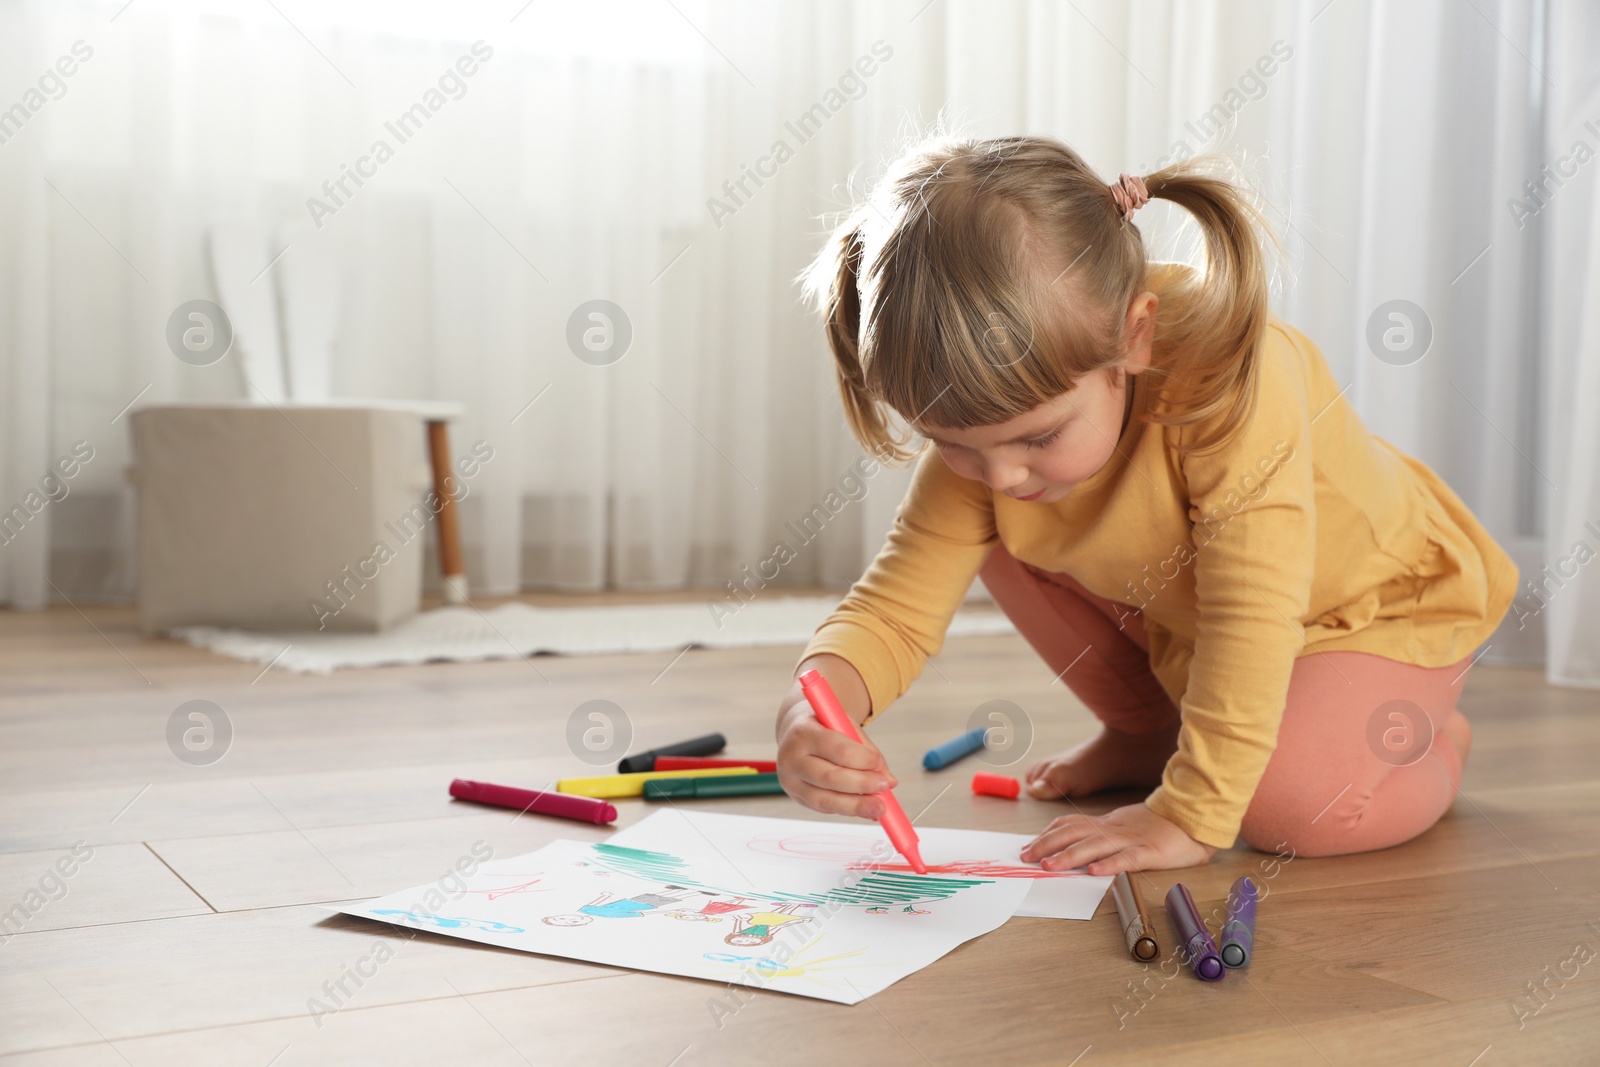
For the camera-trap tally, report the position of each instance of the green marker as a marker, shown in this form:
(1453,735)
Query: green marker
(735,785)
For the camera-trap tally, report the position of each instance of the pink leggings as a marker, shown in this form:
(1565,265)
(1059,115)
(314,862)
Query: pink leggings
(1326,791)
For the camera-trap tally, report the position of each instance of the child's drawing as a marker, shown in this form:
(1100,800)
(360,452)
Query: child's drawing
(490,893)
(762,922)
(608,906)
(760,926)
(871,887)
(804,964)
(713,910)
(847,850)
(445,922)
(973,868)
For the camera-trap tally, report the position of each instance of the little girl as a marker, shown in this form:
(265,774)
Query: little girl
(1270,611)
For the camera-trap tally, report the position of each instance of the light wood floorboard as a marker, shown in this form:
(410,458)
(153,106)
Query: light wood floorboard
(204,922)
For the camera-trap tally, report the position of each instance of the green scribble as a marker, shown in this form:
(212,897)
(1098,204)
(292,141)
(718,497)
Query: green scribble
(873,888)
(655,866)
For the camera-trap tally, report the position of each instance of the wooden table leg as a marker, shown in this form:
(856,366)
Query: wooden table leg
(450,566)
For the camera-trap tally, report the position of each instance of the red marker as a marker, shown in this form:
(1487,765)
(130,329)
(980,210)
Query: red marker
(566,805)
(996,785)
(700,763)
(829,712)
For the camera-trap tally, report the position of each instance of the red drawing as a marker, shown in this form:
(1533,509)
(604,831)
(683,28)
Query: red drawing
(840,848)
(506,891)
(971,869)
(713,910)
(859,855)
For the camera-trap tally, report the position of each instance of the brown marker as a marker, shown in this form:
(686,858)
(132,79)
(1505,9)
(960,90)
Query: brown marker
(1135,920)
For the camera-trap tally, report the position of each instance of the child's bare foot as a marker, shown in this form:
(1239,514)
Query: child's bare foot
(1110,760)
(1458,732)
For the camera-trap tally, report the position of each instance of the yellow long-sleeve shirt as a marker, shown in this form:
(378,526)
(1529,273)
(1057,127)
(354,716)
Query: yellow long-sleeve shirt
(1304,534)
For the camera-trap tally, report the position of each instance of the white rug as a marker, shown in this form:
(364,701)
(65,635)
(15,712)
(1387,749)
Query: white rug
(513,631)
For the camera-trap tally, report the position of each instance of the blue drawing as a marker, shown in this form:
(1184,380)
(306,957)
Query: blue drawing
(759,963)
(446,922)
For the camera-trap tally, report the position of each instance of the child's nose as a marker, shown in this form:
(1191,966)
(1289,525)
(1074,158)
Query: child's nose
(1002,476)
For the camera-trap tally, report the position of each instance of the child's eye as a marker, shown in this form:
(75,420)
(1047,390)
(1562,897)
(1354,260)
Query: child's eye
(1045,441)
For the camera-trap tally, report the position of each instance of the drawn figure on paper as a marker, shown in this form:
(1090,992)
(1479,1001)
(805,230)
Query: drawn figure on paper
(712,910)
(447,922)
(761,926)
(633,906)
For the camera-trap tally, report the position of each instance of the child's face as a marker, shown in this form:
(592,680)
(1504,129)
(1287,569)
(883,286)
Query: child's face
(1042,454)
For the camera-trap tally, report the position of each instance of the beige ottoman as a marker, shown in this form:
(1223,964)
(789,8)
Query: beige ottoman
(280,518)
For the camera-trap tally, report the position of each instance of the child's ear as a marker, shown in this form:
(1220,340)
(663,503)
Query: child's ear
(1139,329)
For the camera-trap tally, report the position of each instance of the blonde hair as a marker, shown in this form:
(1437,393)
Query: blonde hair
(982,278)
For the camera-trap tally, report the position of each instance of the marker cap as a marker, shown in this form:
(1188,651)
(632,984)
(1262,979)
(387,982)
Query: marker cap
(996,785)
(1239,930)
(1198,947)
(1133,917)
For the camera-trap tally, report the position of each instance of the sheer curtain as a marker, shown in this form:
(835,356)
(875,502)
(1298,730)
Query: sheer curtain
(677,160)
(1567,585)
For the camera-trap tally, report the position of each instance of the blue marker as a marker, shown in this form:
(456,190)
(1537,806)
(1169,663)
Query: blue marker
(950,751)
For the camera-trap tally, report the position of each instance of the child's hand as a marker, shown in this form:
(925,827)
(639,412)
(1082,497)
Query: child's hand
(823,769)
(1133,838)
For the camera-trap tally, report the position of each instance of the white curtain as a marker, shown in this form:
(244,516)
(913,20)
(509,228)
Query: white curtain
(629,151)
(1569,313)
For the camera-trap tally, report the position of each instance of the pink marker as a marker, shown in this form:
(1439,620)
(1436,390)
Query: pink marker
(829,712)
(566,805)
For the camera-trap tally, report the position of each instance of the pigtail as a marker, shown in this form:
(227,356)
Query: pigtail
(831,284)
(1214,332)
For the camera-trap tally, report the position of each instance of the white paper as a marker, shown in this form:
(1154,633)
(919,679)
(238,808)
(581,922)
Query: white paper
(730,842)
(823,929)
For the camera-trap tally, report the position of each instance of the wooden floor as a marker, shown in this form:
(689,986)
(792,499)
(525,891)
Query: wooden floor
(202,924)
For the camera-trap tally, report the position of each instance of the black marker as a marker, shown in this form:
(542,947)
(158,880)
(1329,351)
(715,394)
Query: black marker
(708,745)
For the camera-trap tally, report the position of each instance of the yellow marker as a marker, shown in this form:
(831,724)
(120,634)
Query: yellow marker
(608,786)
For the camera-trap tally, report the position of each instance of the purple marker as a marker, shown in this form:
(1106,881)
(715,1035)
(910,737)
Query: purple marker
(1193,937)
(1239,932)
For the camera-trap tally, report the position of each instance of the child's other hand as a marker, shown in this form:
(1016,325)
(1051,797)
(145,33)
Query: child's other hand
(823,769)
(1133,838)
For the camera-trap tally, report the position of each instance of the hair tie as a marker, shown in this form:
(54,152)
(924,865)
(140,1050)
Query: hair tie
(1130,194)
